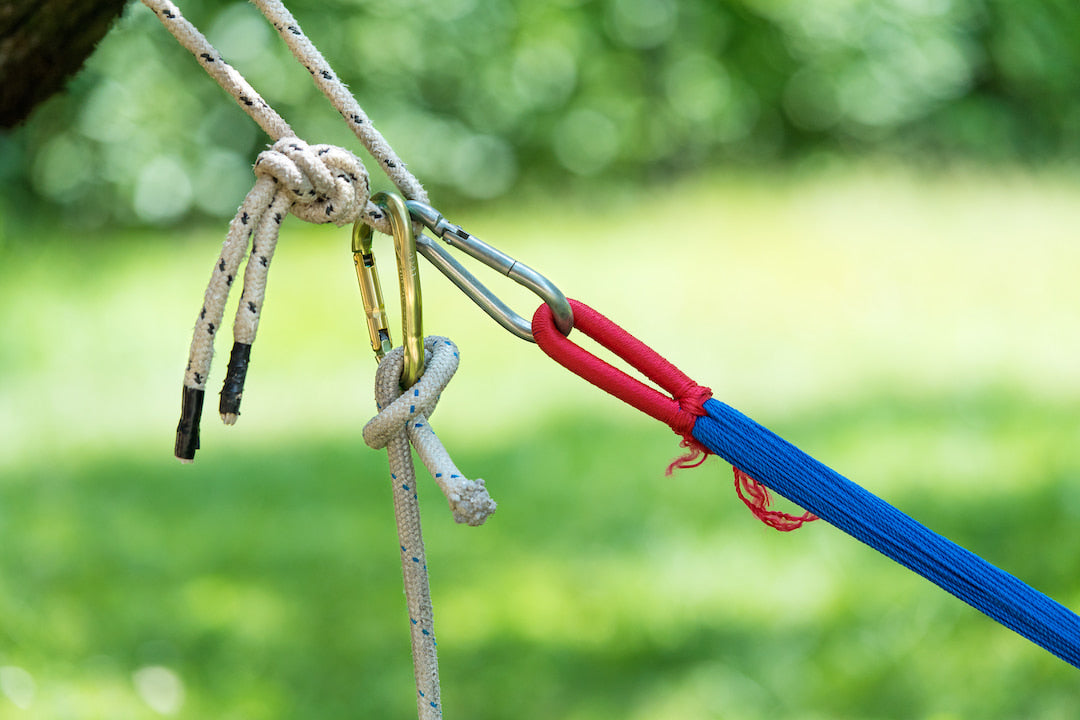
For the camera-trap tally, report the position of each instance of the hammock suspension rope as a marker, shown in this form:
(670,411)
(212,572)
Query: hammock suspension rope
(710,426)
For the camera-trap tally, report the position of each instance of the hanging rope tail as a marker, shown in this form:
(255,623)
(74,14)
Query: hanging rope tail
(769,459)
(317,183)
(403,422)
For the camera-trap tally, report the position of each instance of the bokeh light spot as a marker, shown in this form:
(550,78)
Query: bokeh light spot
(642,23)
(221,183)
(586,141)
(809,100)
(106,116)
(239,32)
(61,167)
(160,688)
(544,74)
(484,166)
(162,191)
(698,87)
(226,127)
(18,686)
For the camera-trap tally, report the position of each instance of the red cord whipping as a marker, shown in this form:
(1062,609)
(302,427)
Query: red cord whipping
(679,409)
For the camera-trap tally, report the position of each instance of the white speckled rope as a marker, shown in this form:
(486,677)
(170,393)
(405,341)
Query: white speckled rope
(323,183)
(325,79)
(225,75)
(403,419)
(320,184)
(331,86)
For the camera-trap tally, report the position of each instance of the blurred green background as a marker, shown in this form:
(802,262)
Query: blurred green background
(854,220)
(487,97)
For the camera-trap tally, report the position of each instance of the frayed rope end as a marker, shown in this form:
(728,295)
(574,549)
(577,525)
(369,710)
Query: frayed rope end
(757,499)
(695,455)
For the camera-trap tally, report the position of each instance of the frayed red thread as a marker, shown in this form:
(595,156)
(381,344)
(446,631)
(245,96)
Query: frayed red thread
(758,502)
(696,454)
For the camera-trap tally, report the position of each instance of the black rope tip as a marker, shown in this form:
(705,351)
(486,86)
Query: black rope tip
(187,432)
(233,389)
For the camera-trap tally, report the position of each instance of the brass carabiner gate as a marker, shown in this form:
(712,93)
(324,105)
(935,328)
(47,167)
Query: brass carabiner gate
(408,282)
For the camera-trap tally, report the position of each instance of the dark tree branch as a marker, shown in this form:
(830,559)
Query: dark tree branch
(42,43)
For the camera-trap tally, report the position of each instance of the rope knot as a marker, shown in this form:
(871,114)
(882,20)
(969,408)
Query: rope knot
(692,399)
(326,183)
(406,412)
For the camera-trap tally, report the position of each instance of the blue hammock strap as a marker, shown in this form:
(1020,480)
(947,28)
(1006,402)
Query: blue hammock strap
(768,459)
(810,484)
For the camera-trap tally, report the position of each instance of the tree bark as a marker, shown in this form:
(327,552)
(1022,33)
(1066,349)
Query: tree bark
(42,43)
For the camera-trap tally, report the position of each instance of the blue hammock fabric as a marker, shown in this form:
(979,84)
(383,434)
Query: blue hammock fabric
(782,467)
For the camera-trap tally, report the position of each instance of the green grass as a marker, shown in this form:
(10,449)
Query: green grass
(920,335)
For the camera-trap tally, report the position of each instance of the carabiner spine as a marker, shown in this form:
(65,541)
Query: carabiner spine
(408,284)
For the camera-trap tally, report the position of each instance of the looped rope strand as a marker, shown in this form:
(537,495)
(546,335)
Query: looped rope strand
(410,410)
(318,184)
(322,74)
(339,96)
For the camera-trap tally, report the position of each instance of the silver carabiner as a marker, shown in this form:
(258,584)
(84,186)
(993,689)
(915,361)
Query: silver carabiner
(494,258)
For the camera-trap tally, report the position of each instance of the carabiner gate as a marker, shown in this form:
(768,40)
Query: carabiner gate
(408,282)
(497,260)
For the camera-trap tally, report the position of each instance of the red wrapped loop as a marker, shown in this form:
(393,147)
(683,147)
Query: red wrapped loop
(679,409)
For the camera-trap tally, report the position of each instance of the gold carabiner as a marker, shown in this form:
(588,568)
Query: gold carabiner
(408,282)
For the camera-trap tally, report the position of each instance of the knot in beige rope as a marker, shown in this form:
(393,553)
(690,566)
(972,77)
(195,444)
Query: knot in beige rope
(317,183)
(407,412)
(325,183)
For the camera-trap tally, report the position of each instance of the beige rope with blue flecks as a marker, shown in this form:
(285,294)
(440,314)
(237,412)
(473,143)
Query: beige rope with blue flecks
(403,421)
